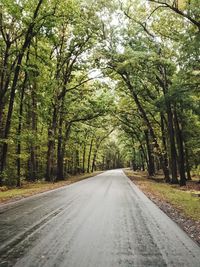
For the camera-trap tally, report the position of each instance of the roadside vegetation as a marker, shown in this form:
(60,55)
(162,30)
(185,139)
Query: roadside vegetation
(29,188)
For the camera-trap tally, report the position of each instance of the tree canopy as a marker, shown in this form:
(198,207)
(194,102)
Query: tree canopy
(87,85)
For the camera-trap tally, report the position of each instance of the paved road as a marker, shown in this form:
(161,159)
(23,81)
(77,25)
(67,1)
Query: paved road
(104,221)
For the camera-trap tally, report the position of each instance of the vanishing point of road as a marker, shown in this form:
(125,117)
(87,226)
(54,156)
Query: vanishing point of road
(104,221)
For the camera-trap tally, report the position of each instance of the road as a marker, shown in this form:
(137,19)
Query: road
(104,221)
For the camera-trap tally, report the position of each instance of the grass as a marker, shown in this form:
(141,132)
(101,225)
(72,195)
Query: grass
(29,189)
(185,199)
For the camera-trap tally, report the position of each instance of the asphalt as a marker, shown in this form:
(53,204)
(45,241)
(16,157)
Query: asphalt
(104,221)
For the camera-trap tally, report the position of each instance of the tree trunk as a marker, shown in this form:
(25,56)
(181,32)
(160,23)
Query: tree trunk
(33,156)
(19,132)
(165,156)
(77,161)
(94,160)
(181,156)
(151,167)
(84,153)
(142,160)
(103,162)
(60,156)
(173,154)
(146,120)
(9,114)
(134,160)
(187,164)
(4,82)
(89,155)
(51,145)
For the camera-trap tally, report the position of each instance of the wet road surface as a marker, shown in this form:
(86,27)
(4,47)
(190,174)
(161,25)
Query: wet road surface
(104,221)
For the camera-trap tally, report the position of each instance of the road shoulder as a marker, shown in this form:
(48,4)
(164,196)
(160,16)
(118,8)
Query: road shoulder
(171,206)
(12,195)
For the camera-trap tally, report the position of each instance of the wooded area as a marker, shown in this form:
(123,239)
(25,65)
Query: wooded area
(87,85)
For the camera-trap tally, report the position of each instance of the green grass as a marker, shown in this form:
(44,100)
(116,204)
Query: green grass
(183,200)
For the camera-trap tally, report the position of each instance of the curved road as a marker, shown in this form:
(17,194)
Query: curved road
(104,221)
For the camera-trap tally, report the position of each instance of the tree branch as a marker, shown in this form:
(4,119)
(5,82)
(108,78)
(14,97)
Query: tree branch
(178,11)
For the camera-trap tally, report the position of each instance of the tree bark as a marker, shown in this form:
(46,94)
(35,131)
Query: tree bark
(94,160)
(19,131)
(181,155)
(165,156)
(84,154)
(89,155)
(187,164)
(142,160)
(60,156)
(151,167)
(4,83)
(33,156)
(51,146)
(173,154)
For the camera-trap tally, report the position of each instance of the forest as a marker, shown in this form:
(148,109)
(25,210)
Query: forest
(91,85)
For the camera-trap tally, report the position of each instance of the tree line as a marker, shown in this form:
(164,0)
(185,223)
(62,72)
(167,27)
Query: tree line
(158,79)
(88,85)
(52,111)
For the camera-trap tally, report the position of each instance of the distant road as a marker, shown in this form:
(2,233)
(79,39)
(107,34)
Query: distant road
(104,221)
